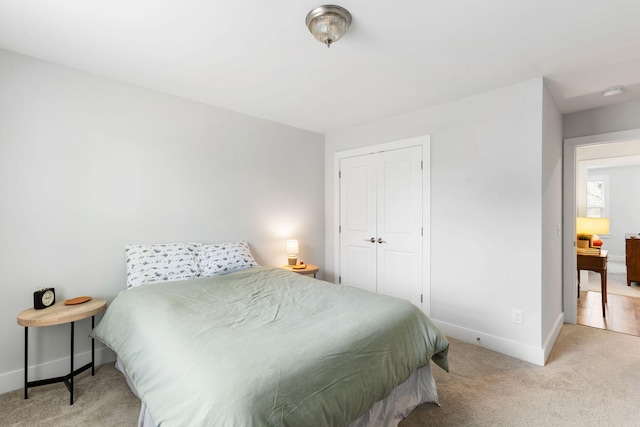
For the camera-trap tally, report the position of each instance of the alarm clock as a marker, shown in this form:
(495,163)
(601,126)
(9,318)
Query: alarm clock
(43,298)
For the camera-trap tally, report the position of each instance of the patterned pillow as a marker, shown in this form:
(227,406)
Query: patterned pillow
(160,263)
(225,258)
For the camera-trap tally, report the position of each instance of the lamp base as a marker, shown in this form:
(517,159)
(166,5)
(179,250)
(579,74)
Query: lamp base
(293,260)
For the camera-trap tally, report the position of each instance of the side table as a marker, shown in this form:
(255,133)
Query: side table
(308,270)
(59,314)
(597,264)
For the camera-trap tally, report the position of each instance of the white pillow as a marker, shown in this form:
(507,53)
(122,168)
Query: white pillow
(161,263)
(225,258)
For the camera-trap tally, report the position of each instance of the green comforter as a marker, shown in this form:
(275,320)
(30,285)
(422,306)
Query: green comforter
(263,347)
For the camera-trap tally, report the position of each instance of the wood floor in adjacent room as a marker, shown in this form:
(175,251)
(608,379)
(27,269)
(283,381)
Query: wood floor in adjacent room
(623,312)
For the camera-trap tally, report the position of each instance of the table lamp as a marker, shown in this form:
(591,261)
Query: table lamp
(292,250)
(591,227)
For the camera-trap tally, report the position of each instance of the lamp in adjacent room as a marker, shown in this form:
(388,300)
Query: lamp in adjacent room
(293,250)
(587,228)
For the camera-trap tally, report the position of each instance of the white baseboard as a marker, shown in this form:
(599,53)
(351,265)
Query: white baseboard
(515,349)
(553,336)
(14,380)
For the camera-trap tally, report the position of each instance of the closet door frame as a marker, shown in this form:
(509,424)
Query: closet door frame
(425,142)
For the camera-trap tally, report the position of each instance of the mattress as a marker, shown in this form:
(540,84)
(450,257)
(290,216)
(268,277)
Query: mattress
(264,346)
(388,412)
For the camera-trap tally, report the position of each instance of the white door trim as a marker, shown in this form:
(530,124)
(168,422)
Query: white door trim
(570,285)
(425,142)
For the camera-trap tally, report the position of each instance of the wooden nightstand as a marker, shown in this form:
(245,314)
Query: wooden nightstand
(309,270)
(59,314)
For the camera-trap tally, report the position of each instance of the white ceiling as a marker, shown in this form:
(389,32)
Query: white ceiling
(258,58)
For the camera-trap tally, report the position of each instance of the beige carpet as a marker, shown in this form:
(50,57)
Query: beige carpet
(591,379)
(102,400)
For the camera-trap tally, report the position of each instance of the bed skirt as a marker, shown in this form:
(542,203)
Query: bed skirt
(419,388)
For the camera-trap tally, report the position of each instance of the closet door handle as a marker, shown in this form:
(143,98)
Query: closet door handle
(372,240)
(381,241)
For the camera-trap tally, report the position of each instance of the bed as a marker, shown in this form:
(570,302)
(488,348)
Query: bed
(261,346)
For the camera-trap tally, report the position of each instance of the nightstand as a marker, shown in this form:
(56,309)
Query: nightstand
(59,314)
(307,271)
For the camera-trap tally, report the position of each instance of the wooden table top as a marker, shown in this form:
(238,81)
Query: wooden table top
(310,268)
(603,254)
(59,313)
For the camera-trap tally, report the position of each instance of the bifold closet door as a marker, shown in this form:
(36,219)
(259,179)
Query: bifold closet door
(399,224)
(358,188)
(381,223)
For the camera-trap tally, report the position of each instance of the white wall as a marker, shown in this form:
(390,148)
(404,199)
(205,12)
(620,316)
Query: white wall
(624,205)
(486,212)
(88,165)
(597,160)
(613,153)
(598,156)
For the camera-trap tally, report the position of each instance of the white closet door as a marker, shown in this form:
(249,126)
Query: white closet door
(381,199)
(399,224)
(358,222)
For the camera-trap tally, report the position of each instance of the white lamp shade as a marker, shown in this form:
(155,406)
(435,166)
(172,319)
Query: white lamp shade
(592,226)
(292,247)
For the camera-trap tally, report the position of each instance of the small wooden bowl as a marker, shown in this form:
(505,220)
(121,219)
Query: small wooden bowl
(77,300)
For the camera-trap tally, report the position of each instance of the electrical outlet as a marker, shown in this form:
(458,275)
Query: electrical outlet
(516,316)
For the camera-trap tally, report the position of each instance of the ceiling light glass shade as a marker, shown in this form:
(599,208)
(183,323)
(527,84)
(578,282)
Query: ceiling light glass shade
(611,91)
(328,23)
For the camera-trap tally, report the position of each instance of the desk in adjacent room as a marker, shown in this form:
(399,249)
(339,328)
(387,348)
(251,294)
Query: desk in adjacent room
(598,264)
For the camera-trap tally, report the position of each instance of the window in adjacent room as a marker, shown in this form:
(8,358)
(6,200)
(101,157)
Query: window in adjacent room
(597,197)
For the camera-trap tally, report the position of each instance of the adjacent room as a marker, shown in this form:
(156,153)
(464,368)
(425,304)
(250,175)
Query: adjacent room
(287,213)
(606,173)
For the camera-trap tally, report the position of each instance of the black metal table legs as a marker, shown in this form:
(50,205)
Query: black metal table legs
(66,379)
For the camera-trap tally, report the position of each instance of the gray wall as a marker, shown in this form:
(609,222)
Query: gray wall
(487,203)
(89,165)
(551,219)
(612,118)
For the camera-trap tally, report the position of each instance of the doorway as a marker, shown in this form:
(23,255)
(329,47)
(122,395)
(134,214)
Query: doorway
(607,144)
(606,177)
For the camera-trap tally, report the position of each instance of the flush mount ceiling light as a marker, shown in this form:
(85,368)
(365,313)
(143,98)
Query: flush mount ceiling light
(328,23)
(615,90)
